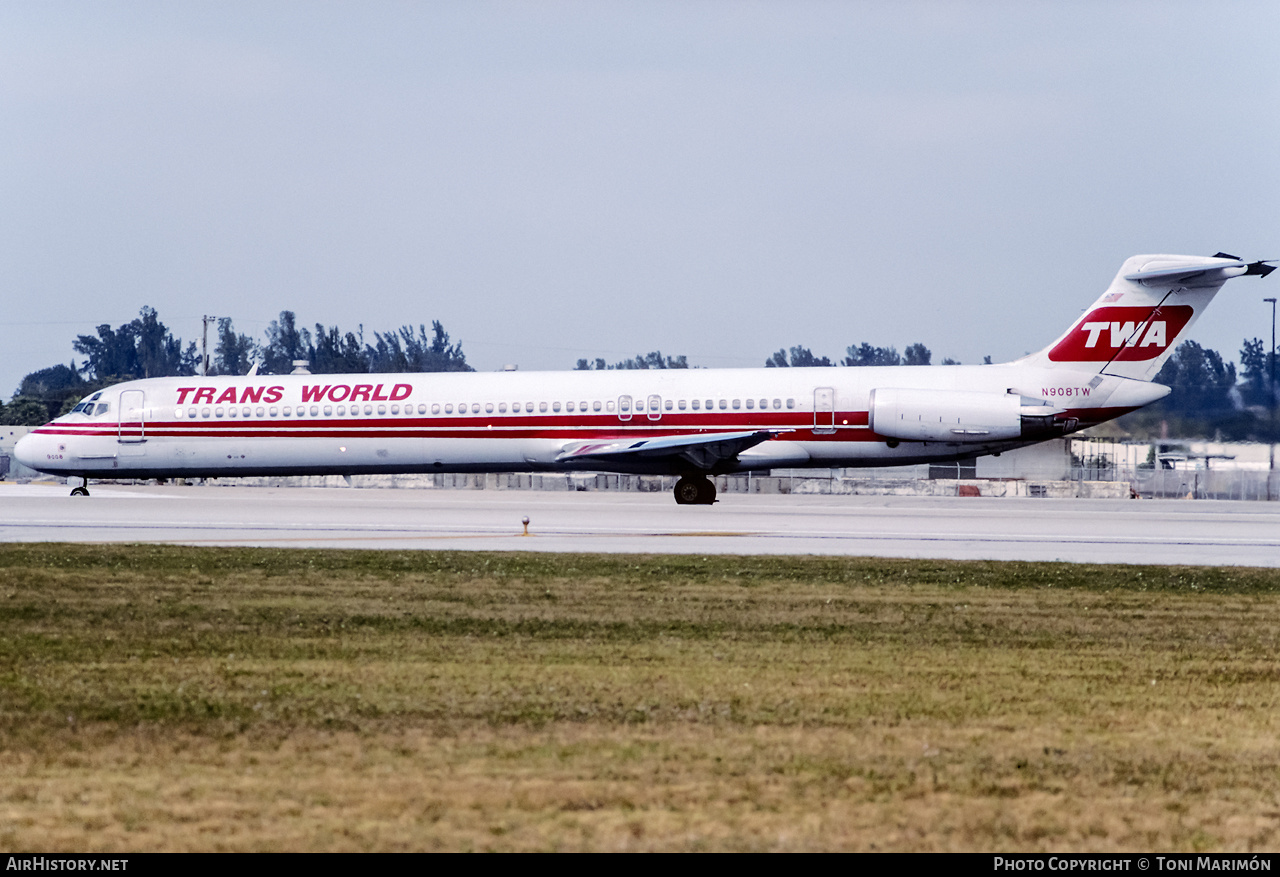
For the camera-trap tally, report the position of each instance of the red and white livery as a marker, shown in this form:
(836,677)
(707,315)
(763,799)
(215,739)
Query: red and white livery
(691,423)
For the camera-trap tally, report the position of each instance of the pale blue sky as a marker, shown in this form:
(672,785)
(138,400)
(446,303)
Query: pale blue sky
(556,180)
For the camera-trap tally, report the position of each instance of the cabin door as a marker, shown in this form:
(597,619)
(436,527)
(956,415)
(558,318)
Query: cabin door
(824,410)
(132,430)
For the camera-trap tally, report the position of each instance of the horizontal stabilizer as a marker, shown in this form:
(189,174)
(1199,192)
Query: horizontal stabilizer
(1191,275)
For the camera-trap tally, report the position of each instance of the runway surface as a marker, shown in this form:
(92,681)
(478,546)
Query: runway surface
(1105,531)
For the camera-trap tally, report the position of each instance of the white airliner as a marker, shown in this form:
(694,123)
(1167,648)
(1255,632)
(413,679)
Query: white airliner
(691,423)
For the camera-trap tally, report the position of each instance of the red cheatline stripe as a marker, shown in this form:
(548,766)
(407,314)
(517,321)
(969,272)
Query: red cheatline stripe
(540,426)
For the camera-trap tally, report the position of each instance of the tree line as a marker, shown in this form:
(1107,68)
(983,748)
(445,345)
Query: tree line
(146,348)
(1209,399)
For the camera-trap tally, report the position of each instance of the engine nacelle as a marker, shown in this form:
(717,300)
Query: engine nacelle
(947,415)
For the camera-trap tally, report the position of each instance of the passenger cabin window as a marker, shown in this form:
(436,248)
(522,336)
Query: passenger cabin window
(751,403)
(448,408)
(608,406)
(568,406)
(502,407)
(696,404)
(681,405)
(595,406)
(555,406)
(791,403)
(724,403)
(542,407)
(667,404)
(737,404)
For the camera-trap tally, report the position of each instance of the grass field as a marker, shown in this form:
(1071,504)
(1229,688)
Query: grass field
(168,698)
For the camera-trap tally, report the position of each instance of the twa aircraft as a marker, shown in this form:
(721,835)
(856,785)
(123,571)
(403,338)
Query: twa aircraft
(691,423)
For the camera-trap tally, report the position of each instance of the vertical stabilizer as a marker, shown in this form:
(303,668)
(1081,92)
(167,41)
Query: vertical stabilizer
(1146,311)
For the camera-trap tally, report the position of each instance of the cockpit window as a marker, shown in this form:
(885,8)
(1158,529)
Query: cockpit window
(89,409)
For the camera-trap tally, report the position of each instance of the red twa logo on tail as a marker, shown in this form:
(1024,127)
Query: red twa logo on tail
(1123,334)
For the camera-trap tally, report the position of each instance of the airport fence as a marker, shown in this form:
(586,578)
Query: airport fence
(1076,482)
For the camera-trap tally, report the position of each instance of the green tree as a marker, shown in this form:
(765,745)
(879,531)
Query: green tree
(865,354)
(407,351)
(144,348)
(285,344)
(651,360)
(917,354)
(337,353)
(801,357)
(23,411)
(234,353)
(1256,364)
(55,386)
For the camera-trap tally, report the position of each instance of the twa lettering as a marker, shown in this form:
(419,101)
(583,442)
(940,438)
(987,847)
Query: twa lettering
(229,395)
(1065,391)
(358,393)
(1123,334)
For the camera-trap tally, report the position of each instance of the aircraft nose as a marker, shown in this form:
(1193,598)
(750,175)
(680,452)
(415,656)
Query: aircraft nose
(32,450)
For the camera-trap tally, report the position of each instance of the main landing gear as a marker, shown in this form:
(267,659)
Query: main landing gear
(695,490)
(82,489)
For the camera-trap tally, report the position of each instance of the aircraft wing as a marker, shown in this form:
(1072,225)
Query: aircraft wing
(703,451)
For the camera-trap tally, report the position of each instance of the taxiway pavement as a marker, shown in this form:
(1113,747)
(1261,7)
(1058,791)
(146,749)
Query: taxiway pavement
(1102,531)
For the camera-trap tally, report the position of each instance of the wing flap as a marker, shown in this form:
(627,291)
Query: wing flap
(702,451)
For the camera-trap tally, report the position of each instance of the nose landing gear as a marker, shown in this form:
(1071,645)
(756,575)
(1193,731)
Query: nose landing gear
(695,490)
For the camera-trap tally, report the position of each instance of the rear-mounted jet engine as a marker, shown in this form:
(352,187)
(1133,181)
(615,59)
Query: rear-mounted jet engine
(959,416)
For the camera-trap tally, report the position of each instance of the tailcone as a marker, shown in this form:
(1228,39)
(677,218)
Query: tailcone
(1136,394)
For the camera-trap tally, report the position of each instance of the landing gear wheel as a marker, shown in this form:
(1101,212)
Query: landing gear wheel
(79,491)
(695,490)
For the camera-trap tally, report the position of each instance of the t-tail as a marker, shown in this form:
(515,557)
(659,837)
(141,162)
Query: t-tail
(1146,311)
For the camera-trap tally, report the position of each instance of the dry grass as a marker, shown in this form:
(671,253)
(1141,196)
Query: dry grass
(176,699)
